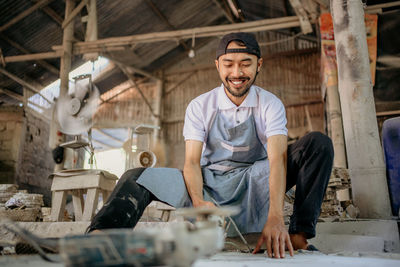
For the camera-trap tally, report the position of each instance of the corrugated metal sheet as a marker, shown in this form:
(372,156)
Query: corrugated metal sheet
(38,32)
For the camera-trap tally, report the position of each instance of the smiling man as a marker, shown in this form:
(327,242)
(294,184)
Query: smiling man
(236,153)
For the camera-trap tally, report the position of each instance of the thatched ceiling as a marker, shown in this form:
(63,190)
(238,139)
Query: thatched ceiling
(40,30)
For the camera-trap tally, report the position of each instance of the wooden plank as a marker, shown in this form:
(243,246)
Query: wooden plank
(92,199)
(77,201)
(58,205)
(388,113)
(24,14)
(385,5)
(81,182)
(106,194)
(30,57)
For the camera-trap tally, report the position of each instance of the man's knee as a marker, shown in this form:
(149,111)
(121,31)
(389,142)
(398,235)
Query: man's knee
(320,142)
(132,175)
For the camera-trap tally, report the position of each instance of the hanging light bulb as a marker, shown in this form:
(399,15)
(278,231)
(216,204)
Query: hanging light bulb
(191,53)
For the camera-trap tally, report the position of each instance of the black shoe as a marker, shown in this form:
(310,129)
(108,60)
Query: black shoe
(311,248)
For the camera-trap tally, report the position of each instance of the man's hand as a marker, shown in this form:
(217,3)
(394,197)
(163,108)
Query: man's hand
(275,236)
(203,203)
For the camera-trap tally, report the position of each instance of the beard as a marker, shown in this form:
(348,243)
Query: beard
(244,91)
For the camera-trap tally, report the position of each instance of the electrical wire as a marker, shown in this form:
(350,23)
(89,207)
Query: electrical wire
(281,40)
(234,225)
(28,237)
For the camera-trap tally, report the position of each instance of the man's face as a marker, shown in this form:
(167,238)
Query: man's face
(238,71)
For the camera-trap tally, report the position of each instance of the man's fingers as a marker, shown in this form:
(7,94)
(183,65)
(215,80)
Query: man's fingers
(289,246)
(269,248)
(282,246)
(276,247)
(259,243)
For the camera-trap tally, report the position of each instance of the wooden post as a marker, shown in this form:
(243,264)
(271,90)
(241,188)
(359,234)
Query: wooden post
(364,152)
(158,105)
(91,28)
(336,126)
(65,68)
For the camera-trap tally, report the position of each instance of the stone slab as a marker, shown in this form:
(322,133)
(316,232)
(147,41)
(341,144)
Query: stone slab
(333,243)
(386,229)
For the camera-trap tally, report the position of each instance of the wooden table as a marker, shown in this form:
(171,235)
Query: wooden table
(77,183)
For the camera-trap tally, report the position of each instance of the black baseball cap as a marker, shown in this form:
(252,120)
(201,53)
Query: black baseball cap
(248,39)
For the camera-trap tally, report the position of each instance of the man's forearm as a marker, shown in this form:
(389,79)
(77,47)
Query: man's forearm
(194,182)
(277,183)
(277,154)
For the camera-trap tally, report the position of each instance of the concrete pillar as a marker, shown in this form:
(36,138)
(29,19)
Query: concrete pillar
(364,152)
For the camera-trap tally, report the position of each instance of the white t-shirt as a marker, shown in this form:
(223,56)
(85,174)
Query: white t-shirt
(268,110)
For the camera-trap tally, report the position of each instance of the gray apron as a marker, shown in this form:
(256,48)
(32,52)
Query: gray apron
(235,172)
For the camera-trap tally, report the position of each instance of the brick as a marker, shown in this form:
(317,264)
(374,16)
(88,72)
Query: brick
(7,177)
(11,125)
(5,154)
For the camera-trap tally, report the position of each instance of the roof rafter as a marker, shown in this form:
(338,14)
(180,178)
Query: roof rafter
(158,12)
(59,20)
(74,13)
(131,79)
(24,83)
(43,63)
(120,43)
(227,14)
(24,14)
(12,94)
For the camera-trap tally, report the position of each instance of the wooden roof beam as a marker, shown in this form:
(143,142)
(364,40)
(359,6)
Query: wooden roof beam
(165,20)
(12,94)
(58,19)
(133,82)
(24,14)
(305,23)
(120,43)
(24,83)
(227,14)
(53,15)
(235,11)
(74,13)
(114,43)
(43,63)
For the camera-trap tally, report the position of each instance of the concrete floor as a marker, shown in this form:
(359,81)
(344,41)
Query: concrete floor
(233,259)
(345,243)
(299,259)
